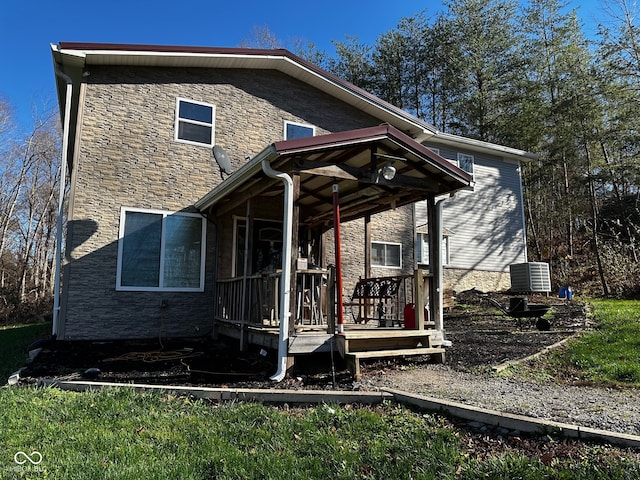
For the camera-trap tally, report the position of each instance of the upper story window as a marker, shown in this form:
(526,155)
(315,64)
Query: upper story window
(160,251)
(298,130)
(465,162)
(385,254)
(194,122)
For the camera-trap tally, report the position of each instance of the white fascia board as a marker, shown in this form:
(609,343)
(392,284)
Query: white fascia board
(75,58)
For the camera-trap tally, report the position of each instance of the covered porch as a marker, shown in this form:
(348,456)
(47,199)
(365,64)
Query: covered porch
(277,218)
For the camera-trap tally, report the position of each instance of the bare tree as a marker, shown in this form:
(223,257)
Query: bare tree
(30,175)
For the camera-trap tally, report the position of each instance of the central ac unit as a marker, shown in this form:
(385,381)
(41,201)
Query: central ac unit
(530,277)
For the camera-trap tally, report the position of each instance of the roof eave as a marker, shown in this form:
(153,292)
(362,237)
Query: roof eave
(507,153)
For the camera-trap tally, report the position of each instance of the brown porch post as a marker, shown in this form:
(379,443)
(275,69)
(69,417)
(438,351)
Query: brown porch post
(367,246)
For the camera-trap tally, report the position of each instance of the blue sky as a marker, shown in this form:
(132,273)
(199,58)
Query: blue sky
(28,27)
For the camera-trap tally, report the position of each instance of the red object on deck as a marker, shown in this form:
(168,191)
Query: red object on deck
(410,315)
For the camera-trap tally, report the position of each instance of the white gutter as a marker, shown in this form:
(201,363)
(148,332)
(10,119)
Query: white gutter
(285,276)
(63,181)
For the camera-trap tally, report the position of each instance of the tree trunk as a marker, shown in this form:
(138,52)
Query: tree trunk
(594,220)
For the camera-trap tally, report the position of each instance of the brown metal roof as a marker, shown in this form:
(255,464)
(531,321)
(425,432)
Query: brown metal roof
(351,159)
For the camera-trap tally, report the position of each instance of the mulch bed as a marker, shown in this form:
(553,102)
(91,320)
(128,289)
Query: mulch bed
(481,337)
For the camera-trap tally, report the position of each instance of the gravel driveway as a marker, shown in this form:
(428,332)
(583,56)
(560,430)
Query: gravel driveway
(481,340)
(601,408)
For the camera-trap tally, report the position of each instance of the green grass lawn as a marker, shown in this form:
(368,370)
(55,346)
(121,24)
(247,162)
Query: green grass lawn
(120,434)
(14,341)
(610,354)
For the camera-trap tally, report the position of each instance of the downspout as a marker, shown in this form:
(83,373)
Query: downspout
(285,276)
(63,181)
(522,212)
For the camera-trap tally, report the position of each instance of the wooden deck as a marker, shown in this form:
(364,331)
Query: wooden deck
(355,344)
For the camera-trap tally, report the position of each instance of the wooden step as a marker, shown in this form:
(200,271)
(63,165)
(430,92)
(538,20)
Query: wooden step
(396,352)
(353,358)
(382,340)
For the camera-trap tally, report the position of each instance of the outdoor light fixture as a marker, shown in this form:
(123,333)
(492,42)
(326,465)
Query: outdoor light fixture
(388,171)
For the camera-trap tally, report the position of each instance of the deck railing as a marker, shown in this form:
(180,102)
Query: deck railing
(251,299)
(255,299)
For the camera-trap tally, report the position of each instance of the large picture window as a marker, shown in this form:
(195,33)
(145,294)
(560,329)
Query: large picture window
(194,122)
(386,255)
(160,250)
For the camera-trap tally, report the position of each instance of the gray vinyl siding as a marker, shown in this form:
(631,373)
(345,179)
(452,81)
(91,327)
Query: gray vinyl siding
(487,225)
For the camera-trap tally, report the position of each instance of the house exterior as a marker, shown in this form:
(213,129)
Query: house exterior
(156,222)
(485,227)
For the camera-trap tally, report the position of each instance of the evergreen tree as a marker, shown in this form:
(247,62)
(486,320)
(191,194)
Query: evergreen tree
(484,31)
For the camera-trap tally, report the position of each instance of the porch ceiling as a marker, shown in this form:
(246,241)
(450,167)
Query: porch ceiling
(353,160)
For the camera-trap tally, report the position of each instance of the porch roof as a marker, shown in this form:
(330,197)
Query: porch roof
(354,160)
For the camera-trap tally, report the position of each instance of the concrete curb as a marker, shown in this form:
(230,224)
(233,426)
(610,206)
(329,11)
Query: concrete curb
(306,397)
(233,394)
(512,421)
(503,366)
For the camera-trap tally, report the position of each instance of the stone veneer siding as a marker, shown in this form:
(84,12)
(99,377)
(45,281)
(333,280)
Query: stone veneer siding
(486,281)
(126,156)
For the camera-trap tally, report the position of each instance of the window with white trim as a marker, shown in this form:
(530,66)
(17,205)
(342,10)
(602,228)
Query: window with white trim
(294,130)
(161,251)
(422,249)
(465,162)
(195,122)
(384,254)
